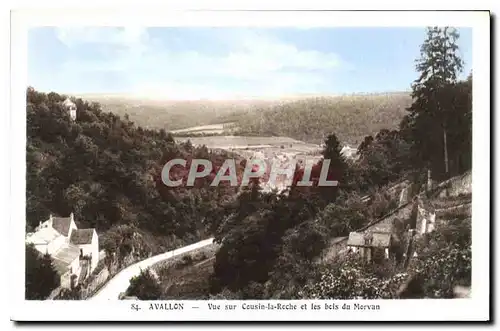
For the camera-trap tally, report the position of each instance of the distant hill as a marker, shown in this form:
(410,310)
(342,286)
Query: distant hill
(176,114)
(307,118)
(350,117)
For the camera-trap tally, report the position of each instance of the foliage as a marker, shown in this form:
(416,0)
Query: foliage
(252,237)
(439,122)
(340,219)
(351,117)
(382,160)
(444,259)
(41,276)
(145,286)
(226,294)
(107,171)
(351,279)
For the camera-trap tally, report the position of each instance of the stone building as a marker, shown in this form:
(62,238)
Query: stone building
(371,245)
(74,252)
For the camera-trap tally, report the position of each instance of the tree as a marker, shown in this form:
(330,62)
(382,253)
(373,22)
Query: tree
(337,168)
(444,258)
(381,159)
(438,66)
(41,277)
(332,151)
(145,286)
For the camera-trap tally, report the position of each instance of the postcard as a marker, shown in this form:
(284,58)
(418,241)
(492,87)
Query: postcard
(250,165)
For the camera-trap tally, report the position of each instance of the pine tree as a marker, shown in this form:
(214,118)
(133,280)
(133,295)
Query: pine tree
(337,168)
(438,66)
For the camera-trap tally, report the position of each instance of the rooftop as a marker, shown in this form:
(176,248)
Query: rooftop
(64,257)
(375,239)
(82,236)
(61,224)
(337,240)
(68,102)
(42,236)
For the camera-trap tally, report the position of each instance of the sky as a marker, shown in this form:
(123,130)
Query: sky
(222,63)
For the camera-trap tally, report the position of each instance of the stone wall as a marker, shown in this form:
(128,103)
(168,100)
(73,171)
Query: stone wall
(456,186)
(384,224)
(94,283)
(429,217)
(465,208)
(443,215)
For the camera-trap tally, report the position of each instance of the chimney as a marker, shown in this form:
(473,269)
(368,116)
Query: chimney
(50,221)
(71,217)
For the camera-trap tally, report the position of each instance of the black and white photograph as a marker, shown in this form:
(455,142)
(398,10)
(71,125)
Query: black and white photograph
(203,170)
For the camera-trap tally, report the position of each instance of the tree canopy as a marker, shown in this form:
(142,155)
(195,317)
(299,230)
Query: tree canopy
(41,276)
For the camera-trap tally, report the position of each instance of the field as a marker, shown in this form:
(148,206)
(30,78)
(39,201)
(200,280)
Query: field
(202,129)
(249,142)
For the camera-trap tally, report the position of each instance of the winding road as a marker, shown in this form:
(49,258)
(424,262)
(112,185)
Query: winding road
(120,282)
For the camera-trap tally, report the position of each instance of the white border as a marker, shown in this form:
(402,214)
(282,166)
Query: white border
(476,308)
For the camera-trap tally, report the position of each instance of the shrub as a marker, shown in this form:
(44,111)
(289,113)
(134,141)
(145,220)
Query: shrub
(145,286)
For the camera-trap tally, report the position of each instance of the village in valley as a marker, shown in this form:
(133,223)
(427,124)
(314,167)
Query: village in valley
(101,224)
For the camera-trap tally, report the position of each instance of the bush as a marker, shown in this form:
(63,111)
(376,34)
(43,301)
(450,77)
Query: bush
(351,280)
(145,286)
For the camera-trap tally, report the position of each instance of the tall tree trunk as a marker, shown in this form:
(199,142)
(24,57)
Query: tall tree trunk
(445,154)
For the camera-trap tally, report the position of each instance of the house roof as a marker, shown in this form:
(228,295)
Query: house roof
(375,239)
(355,239)
(68,102)
(81,236)
(61,224)
(42,236)
(64,257)
(67,254)
(337,240)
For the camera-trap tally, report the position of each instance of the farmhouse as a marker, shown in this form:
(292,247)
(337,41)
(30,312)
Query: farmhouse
(371,246)
(74,252)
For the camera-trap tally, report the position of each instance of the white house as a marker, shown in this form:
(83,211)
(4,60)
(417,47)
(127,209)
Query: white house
(74,252)
(68,265)
(70,107)
(88,243)
(370,243)
(53,234)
